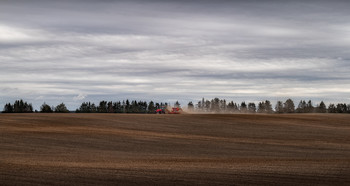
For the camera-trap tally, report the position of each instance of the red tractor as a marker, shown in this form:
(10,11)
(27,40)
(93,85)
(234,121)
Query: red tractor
(160,111)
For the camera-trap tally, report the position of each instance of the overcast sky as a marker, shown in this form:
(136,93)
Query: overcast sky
(75,51)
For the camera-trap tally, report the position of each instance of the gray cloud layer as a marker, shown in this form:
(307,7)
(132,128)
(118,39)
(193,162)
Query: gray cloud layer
(74,51)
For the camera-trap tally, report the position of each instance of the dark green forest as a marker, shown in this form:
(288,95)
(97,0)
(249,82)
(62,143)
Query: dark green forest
(215,105)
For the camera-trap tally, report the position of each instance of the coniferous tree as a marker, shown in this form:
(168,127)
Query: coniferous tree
(123,107)
(251,107)
(243,107)
(199,106)
(127,106)
(142,106)
(309,107)
(322,108)
(301,107)
(341,108)
(230,106)
(203,105)
(289,106)
(29,108)
(81,107)
(146,107)
(45,108)
(235,107)
(117,107)
(332,108)
(61,108)
(190,106)
(93,108)
(215,105)
(261,107)
(223,106)
(18,106)
(268,106)
(134,107)
(22,107)
(265,107)
(279,107)
(110,108)
(102,108)
(207,107)
(8,108)
(87,107)
(151,107)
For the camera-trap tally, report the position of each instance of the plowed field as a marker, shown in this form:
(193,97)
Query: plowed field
(198,149)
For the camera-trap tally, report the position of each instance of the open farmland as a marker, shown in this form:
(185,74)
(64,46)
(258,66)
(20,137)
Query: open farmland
(121,149)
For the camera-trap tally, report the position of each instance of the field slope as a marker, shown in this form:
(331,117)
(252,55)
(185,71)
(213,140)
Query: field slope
(121,149)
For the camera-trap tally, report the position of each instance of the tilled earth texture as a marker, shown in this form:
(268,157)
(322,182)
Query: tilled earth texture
(189,149)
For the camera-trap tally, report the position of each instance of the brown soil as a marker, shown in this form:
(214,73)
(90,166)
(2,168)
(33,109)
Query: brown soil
(118,149)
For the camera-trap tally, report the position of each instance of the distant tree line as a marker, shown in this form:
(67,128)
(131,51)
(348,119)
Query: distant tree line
(61,108)
(134,106)
(18,107)
(215,105)
(21,106)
